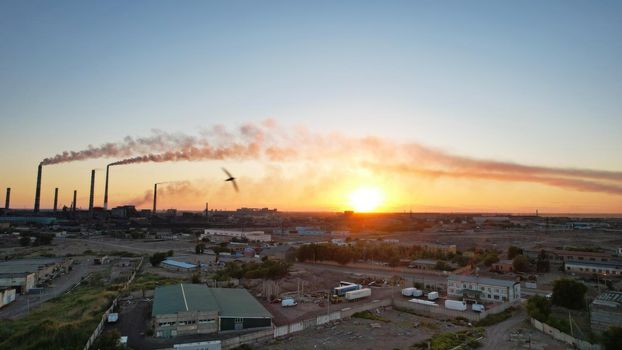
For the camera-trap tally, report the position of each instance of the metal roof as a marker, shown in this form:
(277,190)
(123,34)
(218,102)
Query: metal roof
(229,302)
(481,280)
(238,302)
(181,264)
(182,297)
(610,263)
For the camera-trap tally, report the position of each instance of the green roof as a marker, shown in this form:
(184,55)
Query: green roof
(229,302)
(182,297)
(237,302)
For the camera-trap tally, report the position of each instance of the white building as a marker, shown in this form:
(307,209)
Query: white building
(486,289)
(253,236)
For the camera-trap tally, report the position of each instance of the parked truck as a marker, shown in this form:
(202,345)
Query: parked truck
(478,307)
(343,289)
(358,294)
(457,305)
(432,295)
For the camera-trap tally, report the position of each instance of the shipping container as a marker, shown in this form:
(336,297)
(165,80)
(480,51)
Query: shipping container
(457,305)
(478,307)
(432,295)
(358,294)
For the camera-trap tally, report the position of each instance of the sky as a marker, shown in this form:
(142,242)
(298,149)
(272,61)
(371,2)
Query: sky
(536,83)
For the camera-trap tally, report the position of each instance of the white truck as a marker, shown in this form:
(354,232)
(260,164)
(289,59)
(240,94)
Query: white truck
(478,307)
(432,295)
(455,305)
(358,294)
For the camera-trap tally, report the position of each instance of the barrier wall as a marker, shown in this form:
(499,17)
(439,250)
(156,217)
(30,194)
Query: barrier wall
(561,336)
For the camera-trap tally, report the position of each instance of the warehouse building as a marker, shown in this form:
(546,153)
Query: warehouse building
(611,267)
(482,288)
(606,311)
(196,309)
(253,236)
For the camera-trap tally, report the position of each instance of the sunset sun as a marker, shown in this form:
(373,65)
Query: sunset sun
(366,199)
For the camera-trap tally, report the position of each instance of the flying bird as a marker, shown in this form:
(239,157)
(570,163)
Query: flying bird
(231,179)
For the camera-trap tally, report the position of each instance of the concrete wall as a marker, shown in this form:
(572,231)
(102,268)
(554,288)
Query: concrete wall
(561,336)
(7,296)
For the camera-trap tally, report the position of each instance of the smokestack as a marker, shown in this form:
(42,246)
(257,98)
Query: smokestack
(92,196)
(55,199)
(73,205)
(155,197)
(106,188)
(38,189)
(206,210)
(8,198)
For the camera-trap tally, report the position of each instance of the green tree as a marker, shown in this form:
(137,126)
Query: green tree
(542,264)
(539,307)
(108,340)
(442,266)
(569,293)
(170,253)
(24,241)
(44,239)
(199,248)
(196,278)
(520,263)
(612,338)
(490,259)
(514,251)
(157,258)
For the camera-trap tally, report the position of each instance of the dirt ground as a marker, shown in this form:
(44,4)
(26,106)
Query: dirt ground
(402,331)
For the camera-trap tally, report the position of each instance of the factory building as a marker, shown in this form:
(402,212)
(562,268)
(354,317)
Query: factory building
(7,296)
(253,236)
(439,248)
(611,267)
(196,309)
(423,264)
(21,281)
(25,274)
(606,311)
(482,288)
(178,265)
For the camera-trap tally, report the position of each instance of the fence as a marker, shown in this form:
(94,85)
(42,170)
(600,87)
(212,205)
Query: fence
(438,312)
(561,336)
(100,326)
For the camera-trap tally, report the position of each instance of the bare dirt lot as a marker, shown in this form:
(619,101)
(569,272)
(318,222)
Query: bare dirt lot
(401,331)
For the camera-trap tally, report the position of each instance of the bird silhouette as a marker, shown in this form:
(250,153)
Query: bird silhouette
(231,179)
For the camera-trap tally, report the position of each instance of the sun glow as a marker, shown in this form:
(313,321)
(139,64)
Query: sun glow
(366,199)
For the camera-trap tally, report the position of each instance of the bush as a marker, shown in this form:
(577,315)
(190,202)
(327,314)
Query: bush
(612,338)
(520,263)
(495,318)
(539,307)
(514,251)
(157,258)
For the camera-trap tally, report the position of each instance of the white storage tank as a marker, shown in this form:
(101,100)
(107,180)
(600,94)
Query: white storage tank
(455,305)
(408,292)
(288,302)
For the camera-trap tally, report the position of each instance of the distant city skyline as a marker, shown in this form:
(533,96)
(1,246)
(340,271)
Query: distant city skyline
(531,83)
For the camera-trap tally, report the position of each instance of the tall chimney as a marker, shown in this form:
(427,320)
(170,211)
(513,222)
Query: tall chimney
(206,209)
(8,198)
(55,199)
(92,195)
(73,204)
(155,198)
(38,189)
(106,188)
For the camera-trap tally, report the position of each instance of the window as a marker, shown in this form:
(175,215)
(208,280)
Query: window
(496,297)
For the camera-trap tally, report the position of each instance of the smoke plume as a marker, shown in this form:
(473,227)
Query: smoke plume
(269,142)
